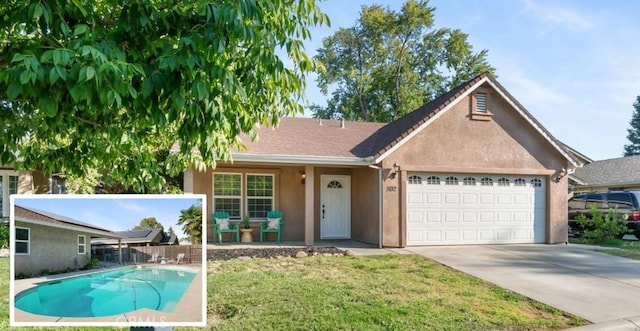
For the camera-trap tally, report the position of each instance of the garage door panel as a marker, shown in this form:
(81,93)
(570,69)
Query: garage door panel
(452,199)
(486,199)
(469,217)
(434,199)
(470,235)
(503,199)
(486,217)
(414,217)
(434,217)
(480,213)
(469,199)
(414,198)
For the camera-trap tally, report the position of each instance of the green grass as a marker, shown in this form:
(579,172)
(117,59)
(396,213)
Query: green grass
(388,292)
(625,248)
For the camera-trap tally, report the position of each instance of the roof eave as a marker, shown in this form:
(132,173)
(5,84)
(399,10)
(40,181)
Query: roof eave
(431,120)
(78,228)
(533,123)
(302,159)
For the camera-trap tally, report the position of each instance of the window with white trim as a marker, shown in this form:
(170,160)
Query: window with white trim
(22,241)
(227,194)
(503,181)
(415,179)
(8,186)
(486,181)
(469,181)
(520,182)
(451,180)
(433,180)
(536,182)
(82,244)
(259,195)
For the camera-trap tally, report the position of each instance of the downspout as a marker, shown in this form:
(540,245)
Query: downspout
(380,206)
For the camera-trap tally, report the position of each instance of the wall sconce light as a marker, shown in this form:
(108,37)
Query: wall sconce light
(557,176)
(304,177)
(394,171)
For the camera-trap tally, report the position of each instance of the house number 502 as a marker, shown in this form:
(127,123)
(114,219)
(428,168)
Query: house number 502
(392,188)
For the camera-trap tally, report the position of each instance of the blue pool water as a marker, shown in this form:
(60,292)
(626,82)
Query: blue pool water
(107,293)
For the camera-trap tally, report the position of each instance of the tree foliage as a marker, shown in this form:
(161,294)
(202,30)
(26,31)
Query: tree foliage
(105,85)
(633,148)
(191,221)
(148,223)
(390,63)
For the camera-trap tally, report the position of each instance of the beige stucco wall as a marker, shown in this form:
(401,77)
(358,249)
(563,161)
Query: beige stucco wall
(364,205)
(455,143)
(51,249)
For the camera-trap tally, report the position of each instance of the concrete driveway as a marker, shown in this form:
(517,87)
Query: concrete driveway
(574,278)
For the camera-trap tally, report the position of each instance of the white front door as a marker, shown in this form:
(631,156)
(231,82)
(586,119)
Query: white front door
(335,207)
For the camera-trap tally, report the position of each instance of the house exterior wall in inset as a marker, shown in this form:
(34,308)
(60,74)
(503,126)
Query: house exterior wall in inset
(51,249)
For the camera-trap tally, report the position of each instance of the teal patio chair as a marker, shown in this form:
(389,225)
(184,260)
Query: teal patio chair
(222,224)
(273,224)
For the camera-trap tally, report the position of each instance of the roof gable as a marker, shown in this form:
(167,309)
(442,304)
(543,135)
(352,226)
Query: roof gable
(392,136)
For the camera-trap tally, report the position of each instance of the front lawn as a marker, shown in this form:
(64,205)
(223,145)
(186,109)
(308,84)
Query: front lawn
(388,292)
(618,247)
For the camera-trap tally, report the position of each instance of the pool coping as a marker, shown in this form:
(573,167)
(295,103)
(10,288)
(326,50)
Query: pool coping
(188,311)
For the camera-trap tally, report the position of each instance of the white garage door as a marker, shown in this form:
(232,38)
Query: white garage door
(474,209)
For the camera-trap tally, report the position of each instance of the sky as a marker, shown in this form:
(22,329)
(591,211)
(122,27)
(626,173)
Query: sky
(114,212)
(574,64)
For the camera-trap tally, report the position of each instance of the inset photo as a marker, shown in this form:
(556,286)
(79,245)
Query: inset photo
(107,260)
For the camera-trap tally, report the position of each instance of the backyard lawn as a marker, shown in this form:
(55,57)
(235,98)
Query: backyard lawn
(388,292)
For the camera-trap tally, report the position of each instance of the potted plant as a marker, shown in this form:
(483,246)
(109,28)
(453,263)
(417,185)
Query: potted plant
(247,231)
(246,221)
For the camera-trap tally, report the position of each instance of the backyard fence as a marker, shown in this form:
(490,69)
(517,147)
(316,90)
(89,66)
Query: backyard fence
(143,254)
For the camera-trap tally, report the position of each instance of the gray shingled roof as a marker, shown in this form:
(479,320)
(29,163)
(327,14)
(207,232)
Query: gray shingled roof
(26,214)
(619,171)
(327,138)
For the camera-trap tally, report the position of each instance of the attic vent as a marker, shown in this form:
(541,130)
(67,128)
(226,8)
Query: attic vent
(481,102)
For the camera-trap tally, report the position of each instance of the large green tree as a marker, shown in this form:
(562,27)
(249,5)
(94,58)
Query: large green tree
(389,63)
(633,148)
(148,223)
(105,85)
(191,221)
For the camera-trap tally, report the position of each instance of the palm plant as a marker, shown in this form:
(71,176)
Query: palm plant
(191,221)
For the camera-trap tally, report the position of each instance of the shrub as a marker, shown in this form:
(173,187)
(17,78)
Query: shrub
(600,229)
(4,236)
(91,264)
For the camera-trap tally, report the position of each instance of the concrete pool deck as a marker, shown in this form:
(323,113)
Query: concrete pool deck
(188,310)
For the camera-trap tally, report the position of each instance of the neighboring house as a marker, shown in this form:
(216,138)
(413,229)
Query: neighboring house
(46,241)
(621,173)
(17,182)
(133,238)
(471,167)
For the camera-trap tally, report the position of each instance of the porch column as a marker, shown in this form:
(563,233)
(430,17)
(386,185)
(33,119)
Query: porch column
(187,181)
(309,211)
(119,250)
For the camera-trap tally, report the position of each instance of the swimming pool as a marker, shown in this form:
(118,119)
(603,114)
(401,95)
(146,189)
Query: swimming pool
(107,293)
